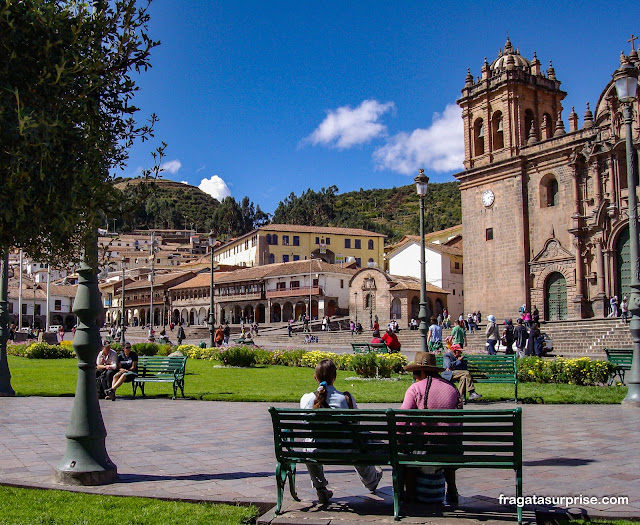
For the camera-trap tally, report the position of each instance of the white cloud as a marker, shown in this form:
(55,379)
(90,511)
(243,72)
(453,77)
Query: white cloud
(215,187)
(171,166)
(184,182)
(440,147)
(346,127)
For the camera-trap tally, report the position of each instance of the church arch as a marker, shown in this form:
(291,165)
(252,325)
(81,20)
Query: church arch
(555,288)
(549,191)
(415,307)
(497,134)
(396,309)
(478,137)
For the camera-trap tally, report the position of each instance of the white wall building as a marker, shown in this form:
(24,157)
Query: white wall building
(443,266)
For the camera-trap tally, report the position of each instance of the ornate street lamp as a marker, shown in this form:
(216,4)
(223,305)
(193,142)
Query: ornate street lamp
(356,301)
(212,320)
(371,282)
(422,182)
(626,79)
(122,321)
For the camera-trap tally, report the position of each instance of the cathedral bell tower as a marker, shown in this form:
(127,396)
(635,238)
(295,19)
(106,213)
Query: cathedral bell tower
(512,104)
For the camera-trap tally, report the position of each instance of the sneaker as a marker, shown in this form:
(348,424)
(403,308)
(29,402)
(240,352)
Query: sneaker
(110,394)
(474,395)
(324,495)
(373,486)
(452,499)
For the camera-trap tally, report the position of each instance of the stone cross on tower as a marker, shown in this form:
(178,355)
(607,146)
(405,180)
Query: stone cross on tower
(632,40)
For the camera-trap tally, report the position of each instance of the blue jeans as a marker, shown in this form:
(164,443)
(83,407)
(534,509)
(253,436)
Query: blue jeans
(492,346)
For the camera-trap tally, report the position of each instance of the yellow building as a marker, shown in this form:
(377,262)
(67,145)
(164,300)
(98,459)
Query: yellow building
(277,243)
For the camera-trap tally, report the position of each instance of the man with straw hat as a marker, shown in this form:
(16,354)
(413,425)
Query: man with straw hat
(430,391)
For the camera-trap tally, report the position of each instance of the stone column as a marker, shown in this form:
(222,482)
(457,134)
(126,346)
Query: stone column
(600,301)
(578,300)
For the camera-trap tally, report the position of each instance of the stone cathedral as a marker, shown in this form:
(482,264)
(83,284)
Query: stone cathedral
(544,208)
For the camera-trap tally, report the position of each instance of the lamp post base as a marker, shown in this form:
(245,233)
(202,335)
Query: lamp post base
(96,477)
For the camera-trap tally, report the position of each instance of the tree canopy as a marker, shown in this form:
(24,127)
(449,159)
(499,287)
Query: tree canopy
(66,116)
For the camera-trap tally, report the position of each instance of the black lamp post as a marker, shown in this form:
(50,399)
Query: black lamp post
(626,79)
(212,319)
(422,182)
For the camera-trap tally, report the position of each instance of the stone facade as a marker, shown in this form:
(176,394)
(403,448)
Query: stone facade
(544,211)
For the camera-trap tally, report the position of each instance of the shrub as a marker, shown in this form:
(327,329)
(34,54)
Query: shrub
(18,350)
(311,359)
(117,347)
(145,348)
(365,365)
(195,352)
(382,365)
(46,351)
(242,356)
(288,357)
(165,350)
(579,371)
(263,357)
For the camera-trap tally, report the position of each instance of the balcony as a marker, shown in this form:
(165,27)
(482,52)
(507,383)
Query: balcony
(295,292)
(253,296)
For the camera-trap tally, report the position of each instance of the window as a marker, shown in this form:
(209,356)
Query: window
(347,243)
(370,243)
(358,262)
(268,238)
(496,131)
(328,241)
(341,283)
(10,307)
(358,244)
(285,240)
(552,195)
(317,240)
(294,285)
(454,291)
(296,240)
(24,309)
(57,305)
(478,137)
(281,286)
(489,234)
(549,191)
(315,282)
(272,258)
(285,258)
(274,239)
(296,257)
(456,266)
(38,309)
(246,244)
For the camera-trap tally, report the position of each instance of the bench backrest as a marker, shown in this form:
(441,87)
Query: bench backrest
(339,437)
(158,365)
(499,368)
(620,356)
(360,348)
(484,438)
(487,438)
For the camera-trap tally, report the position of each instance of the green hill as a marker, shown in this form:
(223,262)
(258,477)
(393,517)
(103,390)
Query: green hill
(393,211)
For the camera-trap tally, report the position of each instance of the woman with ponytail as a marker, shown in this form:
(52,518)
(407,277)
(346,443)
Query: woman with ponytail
(326,396)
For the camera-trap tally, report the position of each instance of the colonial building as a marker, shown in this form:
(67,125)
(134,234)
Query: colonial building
(375,294)
(443,265)
(544,209)
(281,243)
(33,301)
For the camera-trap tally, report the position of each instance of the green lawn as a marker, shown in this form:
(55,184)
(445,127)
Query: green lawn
(56,507)
(204,380)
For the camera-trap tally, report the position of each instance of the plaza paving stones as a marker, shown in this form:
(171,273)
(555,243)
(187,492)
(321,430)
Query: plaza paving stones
(223,452)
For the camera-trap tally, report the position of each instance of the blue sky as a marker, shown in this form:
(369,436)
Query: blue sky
(264,98)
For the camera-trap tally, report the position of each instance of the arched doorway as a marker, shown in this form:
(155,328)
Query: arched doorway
(623,264)
(415,307)
(223,315)
(237,314)
(396,309)
(176,316)
(276,313)
(439,307)
(301,308)
(314,309)
(248,314)
(331,308)
(287,311)
(556,297)
(260,314)
(192,317)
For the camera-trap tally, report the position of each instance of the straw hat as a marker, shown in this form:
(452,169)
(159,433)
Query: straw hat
(424,361)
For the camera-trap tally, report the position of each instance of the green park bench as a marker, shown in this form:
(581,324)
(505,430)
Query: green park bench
(158,369)
(488,439)
(240,341)
(621,357)
(365,348)
(491,369)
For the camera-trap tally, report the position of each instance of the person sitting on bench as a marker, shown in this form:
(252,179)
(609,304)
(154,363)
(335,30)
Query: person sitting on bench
(106,366)
(456,369)
(128,370)
(326,396)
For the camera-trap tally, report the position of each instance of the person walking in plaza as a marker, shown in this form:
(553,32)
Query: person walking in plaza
(352,327)
(430,391)
(290,327)
(226,333)
(455,369)
(493,334)
(434,336)
(521,336)
(624,309)
(535,344)
(218,336)
(458,335)
(181,334)
(508,336)
(613,303)
(327,396)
